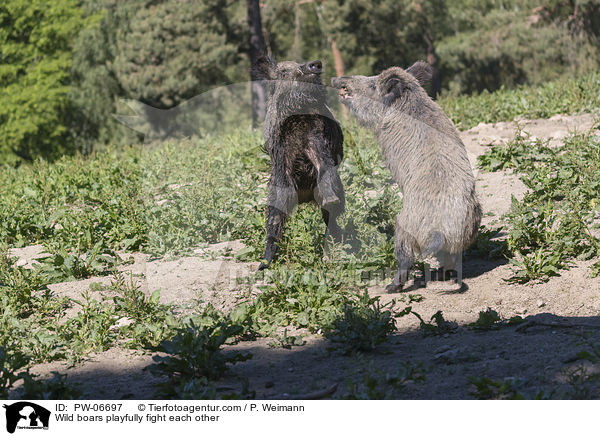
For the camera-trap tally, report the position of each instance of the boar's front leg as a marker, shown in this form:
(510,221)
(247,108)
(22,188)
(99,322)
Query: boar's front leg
(333,228)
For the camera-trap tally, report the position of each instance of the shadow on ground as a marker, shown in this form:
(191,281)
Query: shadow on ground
(539,355)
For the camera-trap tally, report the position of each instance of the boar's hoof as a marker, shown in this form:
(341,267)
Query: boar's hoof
(393,287)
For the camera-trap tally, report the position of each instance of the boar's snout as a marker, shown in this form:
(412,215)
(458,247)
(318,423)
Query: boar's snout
(315,67)
(337,82)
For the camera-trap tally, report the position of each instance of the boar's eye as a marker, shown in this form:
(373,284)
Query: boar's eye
(286,72)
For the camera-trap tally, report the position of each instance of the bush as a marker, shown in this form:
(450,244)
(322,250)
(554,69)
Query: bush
(35,51)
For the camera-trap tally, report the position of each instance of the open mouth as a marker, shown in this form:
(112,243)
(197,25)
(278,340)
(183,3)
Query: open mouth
(311,78)
(345,93)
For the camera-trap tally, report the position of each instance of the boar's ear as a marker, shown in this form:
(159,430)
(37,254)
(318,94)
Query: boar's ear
(390,88)
(264,68)
(421,71)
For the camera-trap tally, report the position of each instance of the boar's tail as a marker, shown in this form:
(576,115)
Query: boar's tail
(435,244)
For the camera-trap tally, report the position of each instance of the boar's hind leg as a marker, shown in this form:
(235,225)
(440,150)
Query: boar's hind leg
(332,204)
(405,254)
(329,185)
(451,266)
(329,191)
(281,201)
(333,229)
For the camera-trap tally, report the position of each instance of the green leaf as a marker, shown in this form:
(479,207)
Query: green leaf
(302,319)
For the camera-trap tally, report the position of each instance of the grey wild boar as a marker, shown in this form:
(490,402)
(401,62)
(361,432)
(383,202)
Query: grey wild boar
(426,157)
(304,141)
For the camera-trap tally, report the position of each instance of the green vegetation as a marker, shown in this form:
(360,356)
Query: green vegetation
(166,201)
(494,44)
(487,319)
(510,388)
(194,355)
(154,65)
(69,182)
(35,40)
(379,385)
(554,223)
(437,325)
(561,96)
(364,324)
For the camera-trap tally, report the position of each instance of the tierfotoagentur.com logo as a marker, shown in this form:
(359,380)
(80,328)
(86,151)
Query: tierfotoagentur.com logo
(26,415)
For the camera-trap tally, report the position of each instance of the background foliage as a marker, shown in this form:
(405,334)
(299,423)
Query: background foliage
(35,57)
(65,65)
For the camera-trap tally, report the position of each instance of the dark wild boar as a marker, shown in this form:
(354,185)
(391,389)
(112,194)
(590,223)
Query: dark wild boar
(304,141)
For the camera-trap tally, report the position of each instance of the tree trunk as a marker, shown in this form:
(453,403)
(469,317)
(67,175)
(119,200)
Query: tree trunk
(339,66)
(296,48)
(436,85)
(257,47)
(432,59)
(337,59)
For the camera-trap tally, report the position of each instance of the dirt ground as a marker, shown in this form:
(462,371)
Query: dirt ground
(563,315)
